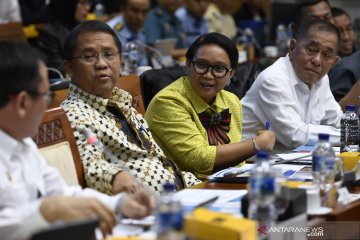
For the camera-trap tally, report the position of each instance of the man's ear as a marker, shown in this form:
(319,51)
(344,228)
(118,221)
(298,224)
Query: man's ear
(292,46)
(68,68)
(21,102)
(336,60)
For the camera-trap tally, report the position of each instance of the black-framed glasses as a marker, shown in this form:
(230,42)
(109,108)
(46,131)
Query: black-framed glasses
(217,71)
(107,56)
(48,95)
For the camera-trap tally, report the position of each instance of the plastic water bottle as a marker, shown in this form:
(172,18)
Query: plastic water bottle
(262,191)
(349,130)
(250,44)
(99,9)
(281,39)
(169,215)
(323,155)
(132,55)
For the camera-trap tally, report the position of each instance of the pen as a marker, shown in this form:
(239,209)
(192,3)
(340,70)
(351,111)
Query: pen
(267,125)
(235,173)
(207,202)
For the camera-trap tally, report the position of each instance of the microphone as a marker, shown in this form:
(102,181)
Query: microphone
(57,82)
(90,137)
(93,140)
(159,60)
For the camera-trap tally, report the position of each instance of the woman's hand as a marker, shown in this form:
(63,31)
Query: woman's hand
(265,139)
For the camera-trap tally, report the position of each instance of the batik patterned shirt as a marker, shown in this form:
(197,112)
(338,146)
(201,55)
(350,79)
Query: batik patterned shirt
(116,151)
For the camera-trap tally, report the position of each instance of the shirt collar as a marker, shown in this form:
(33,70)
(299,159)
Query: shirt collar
(100,103)
(9,145)
(199,104)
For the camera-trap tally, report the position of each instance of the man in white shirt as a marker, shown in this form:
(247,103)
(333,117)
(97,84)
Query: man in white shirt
(294,94)
(32,194)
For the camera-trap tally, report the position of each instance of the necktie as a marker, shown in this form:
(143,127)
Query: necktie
(216,125)
(134,135)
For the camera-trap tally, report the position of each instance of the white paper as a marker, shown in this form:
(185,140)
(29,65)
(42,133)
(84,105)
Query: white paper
(229,201)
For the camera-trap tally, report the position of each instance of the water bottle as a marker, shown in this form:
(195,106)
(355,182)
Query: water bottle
(132,56)
(249,44)
(328,193)
(322,156)
(281,39)
(349,130)
(99,9)
(169,215)
(262,191)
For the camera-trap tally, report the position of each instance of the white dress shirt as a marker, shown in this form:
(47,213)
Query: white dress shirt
(297,113)
(25,179)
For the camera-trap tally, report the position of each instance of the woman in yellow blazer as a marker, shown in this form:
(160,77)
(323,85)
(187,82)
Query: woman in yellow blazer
(197,123)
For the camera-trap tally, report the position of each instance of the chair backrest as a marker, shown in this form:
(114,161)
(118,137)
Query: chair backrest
(12,31)
(152,81)
(131,84)
(59,97)
(57,145)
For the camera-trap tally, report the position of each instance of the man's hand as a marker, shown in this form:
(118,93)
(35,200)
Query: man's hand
(138,205)
(77,208)
(265,139)
(124,182)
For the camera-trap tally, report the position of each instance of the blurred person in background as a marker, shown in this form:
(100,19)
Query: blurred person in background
(220,19)
(343,22)
(191,16)
(66,14)
(129,25)
(9,11)
(34,11)
(305,10)
(162,23)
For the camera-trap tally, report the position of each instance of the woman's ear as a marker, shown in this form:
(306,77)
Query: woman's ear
(188,66)
(232,73)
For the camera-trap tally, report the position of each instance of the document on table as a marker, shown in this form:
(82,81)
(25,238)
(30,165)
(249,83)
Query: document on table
(297,172)
(227,200)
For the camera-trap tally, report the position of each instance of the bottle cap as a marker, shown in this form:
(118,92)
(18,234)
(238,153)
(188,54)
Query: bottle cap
(168,187)
(324,136)
(262,154)
(350,108)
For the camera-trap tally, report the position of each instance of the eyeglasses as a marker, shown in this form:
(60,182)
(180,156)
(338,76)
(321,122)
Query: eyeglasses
(217,71)
(48,95)
(108,56)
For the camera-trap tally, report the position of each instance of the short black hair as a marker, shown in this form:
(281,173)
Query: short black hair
(338,11)
(85,27)
(321,25)
(218,39)
(19,69)
(300,5)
